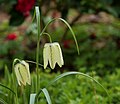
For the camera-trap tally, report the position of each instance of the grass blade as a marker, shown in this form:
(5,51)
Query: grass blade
(78,73)
(38,44)
(44,90)
(47,96)
(71,73)
(7,88)
(2,101)
(32,98)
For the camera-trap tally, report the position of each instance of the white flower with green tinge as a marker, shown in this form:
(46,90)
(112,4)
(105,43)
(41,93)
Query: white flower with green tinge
(52,53)
(22,73)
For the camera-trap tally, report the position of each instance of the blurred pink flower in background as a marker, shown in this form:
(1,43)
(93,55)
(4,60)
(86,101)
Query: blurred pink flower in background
(11,36)
(24,6)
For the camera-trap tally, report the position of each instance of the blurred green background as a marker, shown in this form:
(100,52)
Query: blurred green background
(96,24)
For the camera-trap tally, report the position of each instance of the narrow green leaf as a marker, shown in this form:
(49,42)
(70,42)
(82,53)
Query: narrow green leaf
(47,95)
(2,93)
(3,101)
(7,88)
(38,18)
(72,73)
(7,75)
(79,73)
(38,45)
(32,98)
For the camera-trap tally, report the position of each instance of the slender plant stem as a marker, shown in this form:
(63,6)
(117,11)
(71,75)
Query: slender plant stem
(42,32)
(34,63)
(37,67)
(49,37)
(24,94)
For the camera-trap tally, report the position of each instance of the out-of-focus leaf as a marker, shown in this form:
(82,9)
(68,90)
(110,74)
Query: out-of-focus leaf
(16,19)
(32,98)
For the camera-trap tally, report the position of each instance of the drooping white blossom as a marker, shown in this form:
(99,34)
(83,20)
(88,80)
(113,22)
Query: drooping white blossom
(22,73)
(52,54)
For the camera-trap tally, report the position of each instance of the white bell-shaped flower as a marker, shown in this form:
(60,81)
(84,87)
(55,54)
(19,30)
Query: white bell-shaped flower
(52,53)
(22,73)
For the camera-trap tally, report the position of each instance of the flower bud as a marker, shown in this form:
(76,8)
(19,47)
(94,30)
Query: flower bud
(22,73)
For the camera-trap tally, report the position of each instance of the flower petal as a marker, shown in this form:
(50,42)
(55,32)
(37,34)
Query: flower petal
(51,56)
(46,54)
(58,55)
(27,72)
(17,73)
(22,73)
(53,53)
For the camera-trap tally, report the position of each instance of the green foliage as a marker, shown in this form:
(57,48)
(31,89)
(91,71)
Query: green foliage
(98,44)
(16,18)
(10,49)
(75,89)
(88,6)
(63,6)
(7,4)
(99,47)
(32,98)
(71,89)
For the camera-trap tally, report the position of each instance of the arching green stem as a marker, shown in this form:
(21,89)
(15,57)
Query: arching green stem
(49,37)
(34,63)
(15,60)
(68,27)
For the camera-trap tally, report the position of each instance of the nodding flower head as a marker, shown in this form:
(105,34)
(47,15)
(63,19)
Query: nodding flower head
(52,53)
(22,73)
